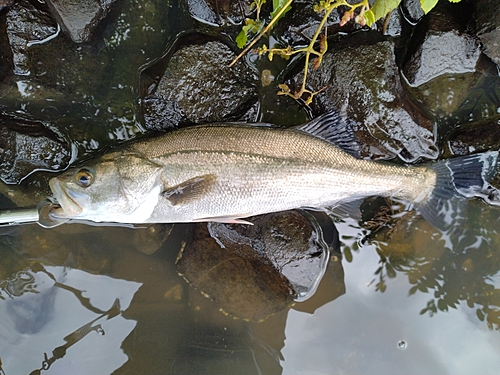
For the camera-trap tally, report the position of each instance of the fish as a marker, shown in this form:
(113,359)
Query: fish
(228,172)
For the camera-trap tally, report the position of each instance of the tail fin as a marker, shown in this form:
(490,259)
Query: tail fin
(459,178)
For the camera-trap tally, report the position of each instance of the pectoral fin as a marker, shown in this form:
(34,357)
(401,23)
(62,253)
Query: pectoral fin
(190,190)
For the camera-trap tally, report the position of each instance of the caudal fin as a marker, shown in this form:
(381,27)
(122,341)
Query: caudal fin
(458,179)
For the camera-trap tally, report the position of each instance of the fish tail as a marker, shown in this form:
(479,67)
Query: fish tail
(456,179)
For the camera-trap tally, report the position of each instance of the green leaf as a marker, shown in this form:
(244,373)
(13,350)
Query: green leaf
(369,17)
(278,6)
(454,1)
(251,26)
(241,39)
(427,5)
(382,7)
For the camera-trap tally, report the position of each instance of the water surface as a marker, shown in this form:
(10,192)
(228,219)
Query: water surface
(94,300)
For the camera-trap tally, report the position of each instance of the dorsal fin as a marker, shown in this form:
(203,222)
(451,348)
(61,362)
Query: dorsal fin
(334,128)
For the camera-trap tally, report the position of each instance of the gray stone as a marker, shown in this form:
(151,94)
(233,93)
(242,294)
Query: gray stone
(488,27)
(362,81)
(27,26)
(26,147)
(197,86)
(442,53)
(79,18)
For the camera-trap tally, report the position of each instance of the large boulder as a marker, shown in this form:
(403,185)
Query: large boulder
(198,86)
(360,78)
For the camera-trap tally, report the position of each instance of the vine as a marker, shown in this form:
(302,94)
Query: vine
(360,12)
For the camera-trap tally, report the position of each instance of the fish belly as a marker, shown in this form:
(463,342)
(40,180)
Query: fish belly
(248,185)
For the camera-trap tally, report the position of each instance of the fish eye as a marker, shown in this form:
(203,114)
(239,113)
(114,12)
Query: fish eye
(84,177)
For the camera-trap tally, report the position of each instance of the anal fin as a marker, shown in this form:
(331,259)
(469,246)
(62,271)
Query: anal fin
(224,219)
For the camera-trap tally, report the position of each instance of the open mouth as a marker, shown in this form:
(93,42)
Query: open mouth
(64,198)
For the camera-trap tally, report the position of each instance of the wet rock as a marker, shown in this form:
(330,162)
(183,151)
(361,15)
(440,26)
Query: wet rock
(197,86)
(360,78)
(28,146)
(218,12)
(442,53)
(79,19)
(302,22)
(393,25)
(475,138)
(5,52)
(252,272)
(27,26)
(412,11)
(149,240)
(488,27)
(442,63)
(5,4)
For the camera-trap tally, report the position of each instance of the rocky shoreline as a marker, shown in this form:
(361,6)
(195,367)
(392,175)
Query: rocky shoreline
(74,82)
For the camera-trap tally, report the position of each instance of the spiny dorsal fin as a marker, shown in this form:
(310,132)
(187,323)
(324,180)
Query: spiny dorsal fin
(334,128)
(191,189)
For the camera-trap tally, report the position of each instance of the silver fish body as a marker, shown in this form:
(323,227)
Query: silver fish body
(226,172)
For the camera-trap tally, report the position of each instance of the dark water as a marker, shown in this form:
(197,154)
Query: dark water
(80,299)
(90,300)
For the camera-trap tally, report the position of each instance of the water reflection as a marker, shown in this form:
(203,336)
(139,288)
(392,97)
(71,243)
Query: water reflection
(81,299)
(56,318)
(407,291)
(392,278)
(454,266)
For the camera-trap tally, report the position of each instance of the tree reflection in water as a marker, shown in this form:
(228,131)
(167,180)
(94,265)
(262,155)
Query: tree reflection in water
(460,265)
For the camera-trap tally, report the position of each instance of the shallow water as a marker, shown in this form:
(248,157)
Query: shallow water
(94,300)
(80,299)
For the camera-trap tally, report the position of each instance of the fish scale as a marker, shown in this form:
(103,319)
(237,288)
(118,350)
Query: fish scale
(226,172)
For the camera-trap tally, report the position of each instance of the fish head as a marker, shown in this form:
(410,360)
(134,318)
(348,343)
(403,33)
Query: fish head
(110,189)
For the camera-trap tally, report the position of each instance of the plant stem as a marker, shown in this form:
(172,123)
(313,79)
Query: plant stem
(310,49)
(261,34)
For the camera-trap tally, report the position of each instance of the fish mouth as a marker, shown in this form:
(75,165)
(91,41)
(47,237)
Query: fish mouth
(66,198)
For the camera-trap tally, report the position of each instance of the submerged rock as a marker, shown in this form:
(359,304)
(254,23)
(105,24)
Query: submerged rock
(28,146)
(30,304)
(443,58)
(360,78)
(252,272)
(26,26)
(218,12)
(488,27)
(442,53)
(5,4)
(79,19)
(198,86)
